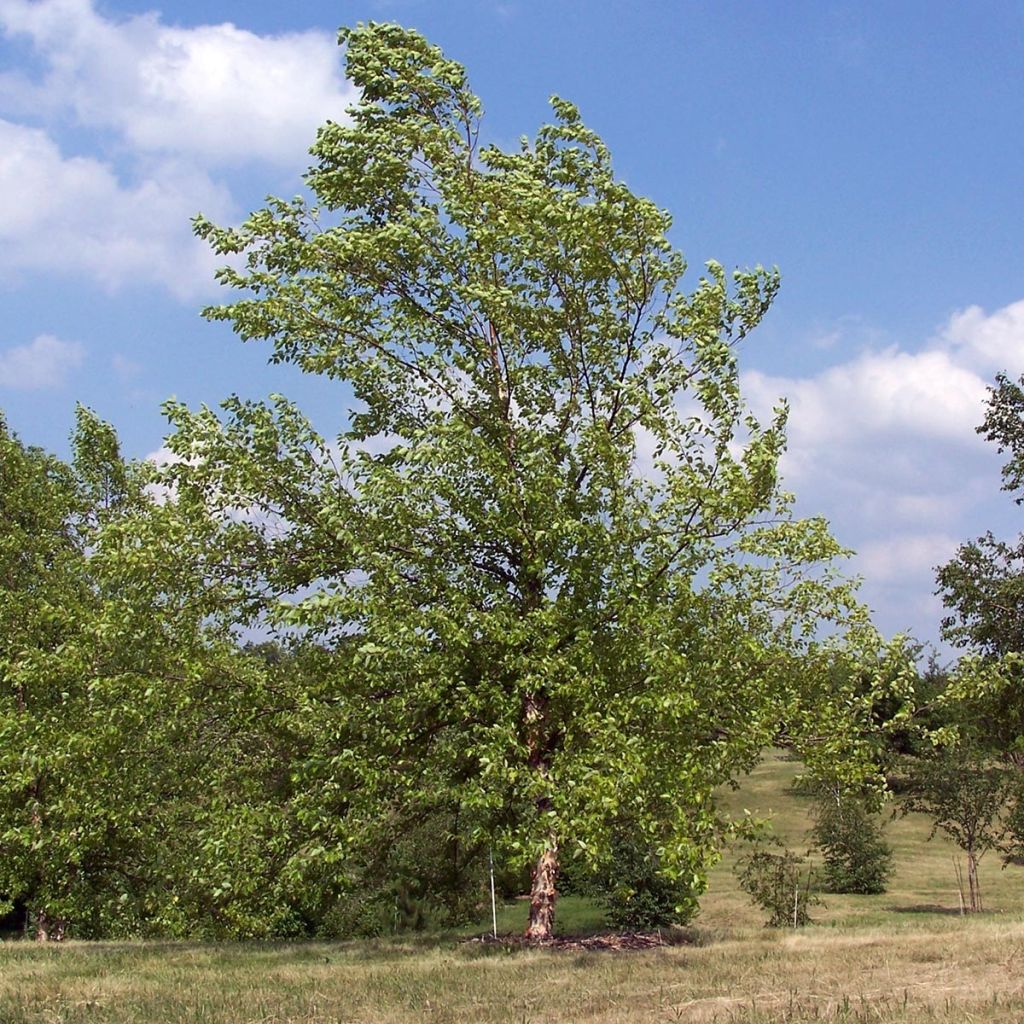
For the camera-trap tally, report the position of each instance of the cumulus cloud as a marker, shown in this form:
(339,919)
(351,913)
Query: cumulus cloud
(42,364)
(986,342)
(217,93)
(897,414)
(73,214)
(884,444)
(878,393)
(171,112)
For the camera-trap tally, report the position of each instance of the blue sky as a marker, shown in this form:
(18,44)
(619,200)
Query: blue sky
(873,151)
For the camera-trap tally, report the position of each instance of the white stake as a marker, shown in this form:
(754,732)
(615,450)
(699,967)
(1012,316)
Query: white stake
(494,906)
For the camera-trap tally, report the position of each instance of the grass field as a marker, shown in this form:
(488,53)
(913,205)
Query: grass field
(905,956)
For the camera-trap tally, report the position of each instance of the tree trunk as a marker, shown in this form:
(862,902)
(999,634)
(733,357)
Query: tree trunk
(49,929)
(973,886)
(543,891)
(543,894)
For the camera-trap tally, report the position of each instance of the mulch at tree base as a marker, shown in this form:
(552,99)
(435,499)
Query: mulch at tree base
(608,941)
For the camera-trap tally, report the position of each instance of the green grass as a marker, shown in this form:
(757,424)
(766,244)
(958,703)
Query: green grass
(923,883)
(905,956)
(922,886)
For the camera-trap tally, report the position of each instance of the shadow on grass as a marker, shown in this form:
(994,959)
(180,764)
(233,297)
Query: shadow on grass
(585,943)
(928,908)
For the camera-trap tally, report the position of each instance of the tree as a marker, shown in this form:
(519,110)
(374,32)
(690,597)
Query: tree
(550,539)
(966,795)
(983,585)
(43,590)
(73,783)
(134,735)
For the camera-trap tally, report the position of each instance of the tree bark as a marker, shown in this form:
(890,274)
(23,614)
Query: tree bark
(543,886)
(973,885)
(543,895)
(49,929)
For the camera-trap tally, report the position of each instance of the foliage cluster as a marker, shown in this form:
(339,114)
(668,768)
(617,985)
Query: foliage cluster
(855,856)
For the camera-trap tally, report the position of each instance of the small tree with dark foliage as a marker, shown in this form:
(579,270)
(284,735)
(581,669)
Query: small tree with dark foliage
(856,859)
(635,892)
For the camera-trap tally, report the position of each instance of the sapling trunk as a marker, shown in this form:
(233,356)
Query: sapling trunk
(973,885)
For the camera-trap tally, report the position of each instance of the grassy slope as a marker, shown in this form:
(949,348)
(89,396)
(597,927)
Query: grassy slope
(921,889)
(903,956)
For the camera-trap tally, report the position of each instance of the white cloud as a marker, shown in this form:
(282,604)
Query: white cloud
(884,444)
(874,395)
(43,363)
(989,342)
(898,415)
(892,559)
(170,112)
(73,214)
(216,93)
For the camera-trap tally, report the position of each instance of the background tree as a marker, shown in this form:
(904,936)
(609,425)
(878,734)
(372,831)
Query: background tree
(855,856)
(138,743)
(983,585)
(966,794)
(44,593)
(551,534)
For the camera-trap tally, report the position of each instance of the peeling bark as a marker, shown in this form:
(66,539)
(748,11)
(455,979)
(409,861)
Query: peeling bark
(543,894)
(543,887)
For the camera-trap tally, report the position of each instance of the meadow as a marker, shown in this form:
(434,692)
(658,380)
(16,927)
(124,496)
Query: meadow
(907,955)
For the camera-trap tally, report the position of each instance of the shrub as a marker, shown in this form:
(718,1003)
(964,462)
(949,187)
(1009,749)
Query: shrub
(636,894)
(855,857)
(386,911)
(780,884)
(418,870)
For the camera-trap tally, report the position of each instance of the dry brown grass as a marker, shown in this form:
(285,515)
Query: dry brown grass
(960,970)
